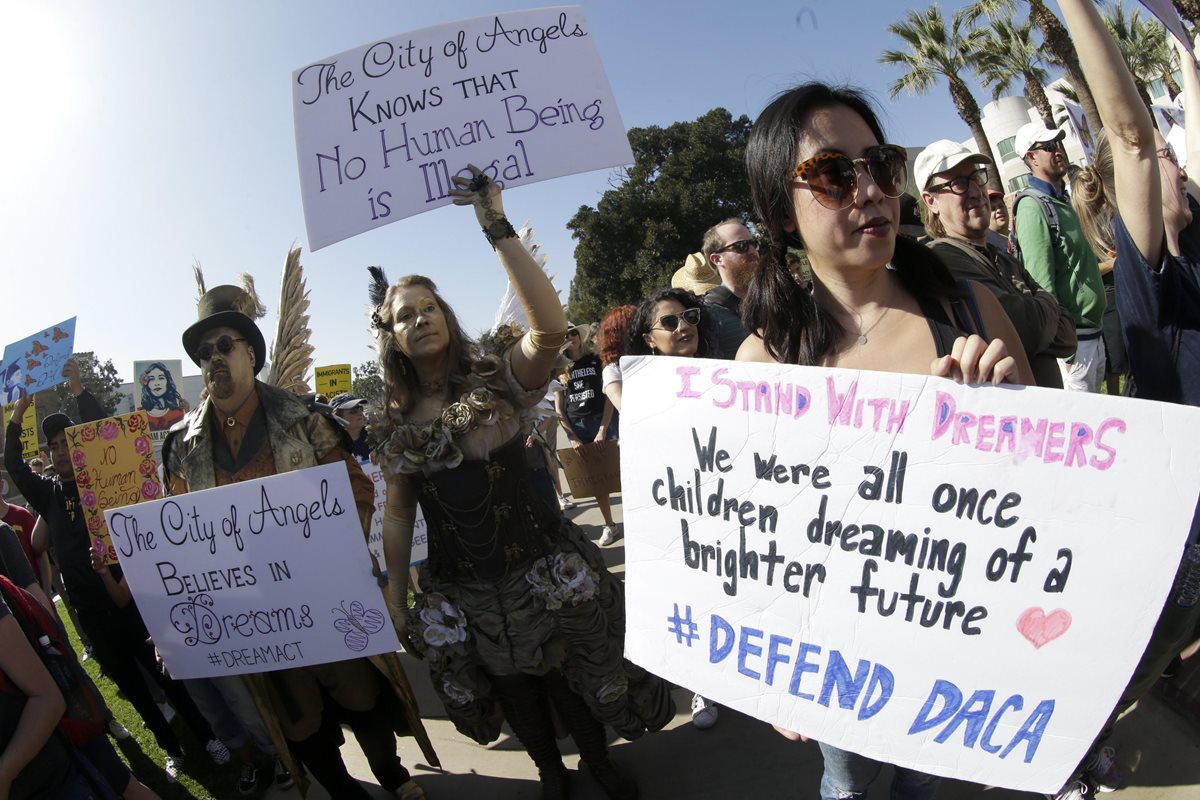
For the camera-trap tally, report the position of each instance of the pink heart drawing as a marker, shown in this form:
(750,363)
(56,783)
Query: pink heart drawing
(1041,628)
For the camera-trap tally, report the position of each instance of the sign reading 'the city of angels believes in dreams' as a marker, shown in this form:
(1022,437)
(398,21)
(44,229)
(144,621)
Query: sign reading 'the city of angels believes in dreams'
(381,129)
(898,565)
(254,576)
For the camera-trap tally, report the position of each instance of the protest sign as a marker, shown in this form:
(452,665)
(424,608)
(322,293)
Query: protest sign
(898,565)
(595,469)
(158,394)
(420,542)
(36,362)
(381,129)
(29,429)
(1168,15)
(1083,131)
(114,467)
(254,576)
(333,379)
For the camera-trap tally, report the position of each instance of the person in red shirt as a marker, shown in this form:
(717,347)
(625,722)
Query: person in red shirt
(21,521)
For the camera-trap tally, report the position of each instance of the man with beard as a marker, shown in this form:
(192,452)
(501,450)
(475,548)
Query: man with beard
(117,633)
(243,430)
(951,179)
(1055,251)
(733,252)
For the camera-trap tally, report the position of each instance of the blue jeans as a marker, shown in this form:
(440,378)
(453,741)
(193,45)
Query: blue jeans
(848,775)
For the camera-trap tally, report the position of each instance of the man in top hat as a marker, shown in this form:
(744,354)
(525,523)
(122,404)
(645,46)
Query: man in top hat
(352,411)
(1055,251)
(244,430)
(733,252)
(117,634)
(958,214)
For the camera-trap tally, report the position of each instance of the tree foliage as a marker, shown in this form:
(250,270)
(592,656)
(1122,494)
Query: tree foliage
(367,382)
(99,379)
(686,178)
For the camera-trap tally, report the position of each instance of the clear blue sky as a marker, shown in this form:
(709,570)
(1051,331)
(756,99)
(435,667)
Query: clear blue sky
(140,137)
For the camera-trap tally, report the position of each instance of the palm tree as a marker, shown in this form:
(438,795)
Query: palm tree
(1190,11)
(1055,40)
(1005,50)
(933,50)
(1143,45)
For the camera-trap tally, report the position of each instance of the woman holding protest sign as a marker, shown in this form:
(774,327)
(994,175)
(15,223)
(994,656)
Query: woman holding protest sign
(520,613)
(1156,236)
(823,179)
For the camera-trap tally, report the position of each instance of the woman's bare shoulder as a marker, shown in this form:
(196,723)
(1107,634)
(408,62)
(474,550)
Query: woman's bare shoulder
(754,349)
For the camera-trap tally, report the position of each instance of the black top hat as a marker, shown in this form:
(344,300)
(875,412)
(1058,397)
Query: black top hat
(55,424)
(226,306)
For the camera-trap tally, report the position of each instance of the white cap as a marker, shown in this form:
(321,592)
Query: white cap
(941,156)
(1032,133)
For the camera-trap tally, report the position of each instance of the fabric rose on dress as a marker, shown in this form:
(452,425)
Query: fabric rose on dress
(483,403)
(78,459)
(490,369)
(442,625)
(455,692)
(458,418)
(142,445)
(577,580)
(442,452)
(613,689)
(109,430)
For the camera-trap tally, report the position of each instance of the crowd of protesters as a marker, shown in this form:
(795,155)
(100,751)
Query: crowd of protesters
(1078,286)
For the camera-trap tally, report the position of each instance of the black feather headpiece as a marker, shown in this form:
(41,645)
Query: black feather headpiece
(377,291)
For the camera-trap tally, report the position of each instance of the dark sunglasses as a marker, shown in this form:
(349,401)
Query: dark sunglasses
(669,322)
(1049,147)
(1168,154)
(960,184)
(740,246)
(223,345)
(833,177)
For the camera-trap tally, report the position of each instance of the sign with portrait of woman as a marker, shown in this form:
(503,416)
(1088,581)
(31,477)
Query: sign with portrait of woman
(157,392)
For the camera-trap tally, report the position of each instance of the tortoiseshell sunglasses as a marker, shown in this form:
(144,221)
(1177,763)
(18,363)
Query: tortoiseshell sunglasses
(833,176)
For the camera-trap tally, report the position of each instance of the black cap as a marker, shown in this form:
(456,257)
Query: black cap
(346,401)
(55,424)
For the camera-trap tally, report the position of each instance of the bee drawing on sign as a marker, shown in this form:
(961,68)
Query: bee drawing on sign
(357,624)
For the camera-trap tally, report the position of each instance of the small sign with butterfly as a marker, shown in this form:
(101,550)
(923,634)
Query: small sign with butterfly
(255,576)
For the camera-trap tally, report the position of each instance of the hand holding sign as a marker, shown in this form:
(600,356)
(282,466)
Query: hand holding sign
(37,361)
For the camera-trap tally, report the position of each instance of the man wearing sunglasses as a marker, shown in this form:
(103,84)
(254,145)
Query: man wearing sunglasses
(1051,244)
(952,182)
(733,252)
(244,430)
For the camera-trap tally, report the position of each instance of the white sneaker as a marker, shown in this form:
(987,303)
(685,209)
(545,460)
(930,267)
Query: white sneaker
(167,711)
(608,535)
(172,769)
(117,730)
(565,504)
(218,752)
(704,712)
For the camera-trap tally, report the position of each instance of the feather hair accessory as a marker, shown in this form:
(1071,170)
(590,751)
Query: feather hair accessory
(198,274)
(250,305)
(377,292)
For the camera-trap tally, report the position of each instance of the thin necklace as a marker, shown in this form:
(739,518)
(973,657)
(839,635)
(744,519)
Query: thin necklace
(862,335)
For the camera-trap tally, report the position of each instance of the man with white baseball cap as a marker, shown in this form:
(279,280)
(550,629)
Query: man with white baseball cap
(952,181)
(1048,238)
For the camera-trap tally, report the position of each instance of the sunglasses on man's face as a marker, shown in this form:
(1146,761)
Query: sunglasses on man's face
(740,246)
(669,322)
(833,177)
(1049,147)
(223,345)
(962,183)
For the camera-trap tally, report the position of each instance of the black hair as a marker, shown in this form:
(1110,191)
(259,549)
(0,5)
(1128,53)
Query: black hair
(794,328)
(643,320)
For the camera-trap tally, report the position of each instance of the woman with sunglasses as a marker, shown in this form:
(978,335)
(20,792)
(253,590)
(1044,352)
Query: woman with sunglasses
(823,179)
(1155,233)
(519,613)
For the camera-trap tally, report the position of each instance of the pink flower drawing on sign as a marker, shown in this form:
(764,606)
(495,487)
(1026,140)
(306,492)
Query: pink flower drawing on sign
(88,499)
(109,430)
(1041,628)
(142,445)
(150,489)
(78,459)
(88,434)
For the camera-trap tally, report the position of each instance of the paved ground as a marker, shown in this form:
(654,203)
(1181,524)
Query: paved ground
(741,757)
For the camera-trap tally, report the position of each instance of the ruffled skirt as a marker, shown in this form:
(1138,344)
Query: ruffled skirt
(565,613)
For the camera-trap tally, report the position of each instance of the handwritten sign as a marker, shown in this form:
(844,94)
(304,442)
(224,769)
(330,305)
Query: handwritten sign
(333,379)
(898,565)
(254,576)
(29,429)
(36,362)
(420,543)
(114,467)
(594,469)
(381,129)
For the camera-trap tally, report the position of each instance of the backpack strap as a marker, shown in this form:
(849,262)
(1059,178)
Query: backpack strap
(1048,211)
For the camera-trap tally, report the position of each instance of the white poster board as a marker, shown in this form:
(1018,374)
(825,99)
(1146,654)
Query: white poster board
(420,543)
(381,129)
(898,565)
(1168,15)
(254,576)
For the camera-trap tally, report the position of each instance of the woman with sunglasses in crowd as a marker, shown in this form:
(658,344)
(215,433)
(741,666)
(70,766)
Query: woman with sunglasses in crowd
(1155,225)
(519,612)
(823,179)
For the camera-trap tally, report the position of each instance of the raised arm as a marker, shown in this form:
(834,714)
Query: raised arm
(399,517)
(1191,112)
(533,358)
(32,487)
(1128,125)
